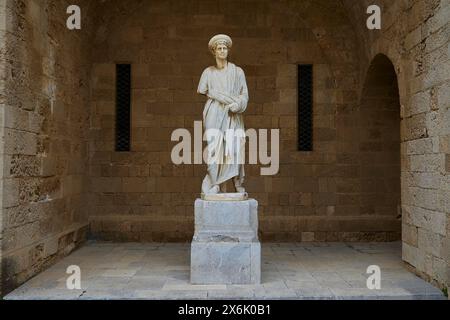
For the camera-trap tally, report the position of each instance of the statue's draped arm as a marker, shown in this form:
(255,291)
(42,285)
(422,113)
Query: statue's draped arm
(204,89)
(242,99)
(239,102)
(221,97)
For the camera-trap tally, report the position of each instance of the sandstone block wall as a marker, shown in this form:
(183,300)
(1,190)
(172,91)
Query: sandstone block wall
(44,123)
(415,37)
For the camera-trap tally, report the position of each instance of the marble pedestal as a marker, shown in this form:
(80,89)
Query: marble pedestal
(225,248)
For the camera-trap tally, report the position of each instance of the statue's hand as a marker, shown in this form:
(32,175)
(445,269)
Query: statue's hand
(227,99)
(221,97)
(233,107)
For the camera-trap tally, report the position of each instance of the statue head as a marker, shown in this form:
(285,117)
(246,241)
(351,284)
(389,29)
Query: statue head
(220,45)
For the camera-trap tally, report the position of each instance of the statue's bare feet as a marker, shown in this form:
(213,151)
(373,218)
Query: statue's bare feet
(214,190)
(238,185)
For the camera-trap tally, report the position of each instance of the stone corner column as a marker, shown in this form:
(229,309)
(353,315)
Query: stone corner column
(225,248)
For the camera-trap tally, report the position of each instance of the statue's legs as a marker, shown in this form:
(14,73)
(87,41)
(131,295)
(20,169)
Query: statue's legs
(208,187)
(238,185)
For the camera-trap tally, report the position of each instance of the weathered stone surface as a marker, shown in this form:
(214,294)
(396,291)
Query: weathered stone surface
(234,219)
(44,132)
(225,248)
(224,262)
(225,197)
(288,274)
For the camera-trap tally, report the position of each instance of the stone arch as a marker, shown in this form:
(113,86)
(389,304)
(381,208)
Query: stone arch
(379,144)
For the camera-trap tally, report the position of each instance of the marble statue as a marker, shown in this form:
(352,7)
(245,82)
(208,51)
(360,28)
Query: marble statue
(226,89)
(225,248)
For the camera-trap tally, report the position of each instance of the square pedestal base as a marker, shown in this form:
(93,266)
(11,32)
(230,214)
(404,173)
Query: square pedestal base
(225,248)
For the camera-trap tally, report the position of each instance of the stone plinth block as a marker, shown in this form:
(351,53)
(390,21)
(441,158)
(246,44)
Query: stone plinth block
(225,197)
(225,248)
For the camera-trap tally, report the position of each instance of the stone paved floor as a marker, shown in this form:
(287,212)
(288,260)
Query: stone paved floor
(289,271)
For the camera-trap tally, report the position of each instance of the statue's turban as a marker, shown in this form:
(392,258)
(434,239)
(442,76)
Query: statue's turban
(220,39)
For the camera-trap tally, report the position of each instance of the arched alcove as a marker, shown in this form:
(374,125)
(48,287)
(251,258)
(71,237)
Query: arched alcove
(379,144)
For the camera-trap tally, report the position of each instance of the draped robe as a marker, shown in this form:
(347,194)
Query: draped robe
(221,87)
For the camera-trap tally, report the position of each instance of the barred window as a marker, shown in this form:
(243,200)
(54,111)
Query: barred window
(123,106)
(305,107)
